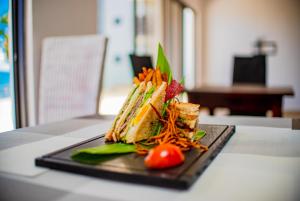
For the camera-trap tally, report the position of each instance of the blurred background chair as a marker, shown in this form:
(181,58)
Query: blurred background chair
(138,62)
(250,70)
(70,77)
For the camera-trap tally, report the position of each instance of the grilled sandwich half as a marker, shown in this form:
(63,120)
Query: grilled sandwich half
(136,117)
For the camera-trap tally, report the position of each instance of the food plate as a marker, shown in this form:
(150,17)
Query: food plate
(131,168)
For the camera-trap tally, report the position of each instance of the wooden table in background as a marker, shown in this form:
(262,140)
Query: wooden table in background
(241,99)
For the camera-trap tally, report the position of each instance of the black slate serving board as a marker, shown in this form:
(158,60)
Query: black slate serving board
(130,167)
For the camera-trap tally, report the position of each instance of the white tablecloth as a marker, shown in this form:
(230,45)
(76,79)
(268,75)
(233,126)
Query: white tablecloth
(258,163)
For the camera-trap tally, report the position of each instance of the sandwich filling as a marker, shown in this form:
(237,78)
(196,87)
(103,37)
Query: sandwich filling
(140,126)
(188,114)
(131,113)
(130,100)
(140,102)
(187,119)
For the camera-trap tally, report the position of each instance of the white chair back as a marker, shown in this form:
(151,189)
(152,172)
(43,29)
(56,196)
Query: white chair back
(71,76)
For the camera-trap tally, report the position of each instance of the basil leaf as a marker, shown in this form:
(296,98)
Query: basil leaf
(198,135)
(107,149)
(163,64)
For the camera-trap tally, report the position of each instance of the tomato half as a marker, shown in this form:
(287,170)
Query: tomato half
(164,156)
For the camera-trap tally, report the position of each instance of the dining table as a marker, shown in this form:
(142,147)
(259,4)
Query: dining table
(260,162)
(241,99)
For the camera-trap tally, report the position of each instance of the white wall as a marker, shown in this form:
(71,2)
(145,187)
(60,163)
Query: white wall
(46,18)
(231,26)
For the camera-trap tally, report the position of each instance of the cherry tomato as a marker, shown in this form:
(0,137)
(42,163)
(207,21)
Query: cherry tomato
(164,156)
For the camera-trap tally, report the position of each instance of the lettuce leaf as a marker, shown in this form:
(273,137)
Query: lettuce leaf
(159,126)
(156,127)
(198,135)
(148,94)
(163,64)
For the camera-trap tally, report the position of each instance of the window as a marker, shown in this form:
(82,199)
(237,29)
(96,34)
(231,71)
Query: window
(136,26)
(129,25)
(7,115)
(116,21)
(189,67)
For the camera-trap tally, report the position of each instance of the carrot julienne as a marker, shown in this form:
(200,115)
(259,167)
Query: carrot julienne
(171,133)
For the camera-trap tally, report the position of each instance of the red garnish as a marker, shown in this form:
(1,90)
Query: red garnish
(164,156)
(173,90)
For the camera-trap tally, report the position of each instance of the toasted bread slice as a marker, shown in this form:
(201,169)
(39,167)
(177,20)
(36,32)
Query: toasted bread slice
(108,135)
(188,108)
(148,93)
(132,99)
(140,127)
(188,113)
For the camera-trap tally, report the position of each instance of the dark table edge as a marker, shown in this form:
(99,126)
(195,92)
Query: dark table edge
(296,124)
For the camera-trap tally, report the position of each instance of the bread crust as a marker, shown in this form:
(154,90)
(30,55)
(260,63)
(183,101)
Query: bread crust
(143,129)
(112,134)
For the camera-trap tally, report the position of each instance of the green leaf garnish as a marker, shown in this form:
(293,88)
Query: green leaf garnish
(159,126)
(163,64)
(93,159)
(182,81)
(198,135)
(95,155)
(165,106)
(107,149)
(156,127)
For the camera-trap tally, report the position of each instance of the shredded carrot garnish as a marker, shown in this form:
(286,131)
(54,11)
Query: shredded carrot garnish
(170,133)
(141,150)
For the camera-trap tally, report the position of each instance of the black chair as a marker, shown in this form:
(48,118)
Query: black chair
(138,62)
(250,70)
